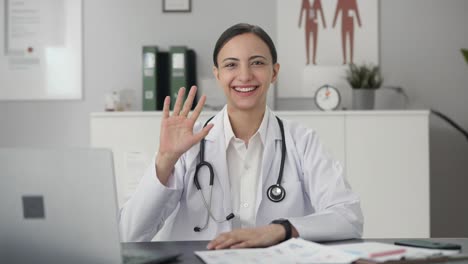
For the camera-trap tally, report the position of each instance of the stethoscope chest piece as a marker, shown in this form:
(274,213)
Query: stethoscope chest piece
(276,193)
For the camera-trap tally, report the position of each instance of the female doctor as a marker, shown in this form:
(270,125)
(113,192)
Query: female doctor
(245,178)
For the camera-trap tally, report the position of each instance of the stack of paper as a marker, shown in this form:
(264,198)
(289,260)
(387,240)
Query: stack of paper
(294,250)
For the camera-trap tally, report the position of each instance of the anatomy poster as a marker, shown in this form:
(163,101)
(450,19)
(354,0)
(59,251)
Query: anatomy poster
(317,39)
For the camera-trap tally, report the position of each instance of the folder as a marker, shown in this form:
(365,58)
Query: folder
(149,77)
(155,78)
(182,71)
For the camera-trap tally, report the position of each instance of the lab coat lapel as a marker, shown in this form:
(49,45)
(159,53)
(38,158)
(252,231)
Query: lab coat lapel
(271,155)
(215,153)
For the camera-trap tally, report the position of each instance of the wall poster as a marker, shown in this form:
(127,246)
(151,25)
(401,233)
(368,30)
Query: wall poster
(41,49)
(317,39)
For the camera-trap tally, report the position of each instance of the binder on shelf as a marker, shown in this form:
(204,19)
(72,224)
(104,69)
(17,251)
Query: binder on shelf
(182,71)
(155,78)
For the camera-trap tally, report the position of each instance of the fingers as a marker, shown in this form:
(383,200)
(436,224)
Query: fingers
(166,106)
(246,238)
(237,238)
(215,242)
(232,240)
(198,108)
(178,103)
(222,241)
(226,243)
(189,101)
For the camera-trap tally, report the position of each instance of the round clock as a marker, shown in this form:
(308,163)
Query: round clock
(327,98)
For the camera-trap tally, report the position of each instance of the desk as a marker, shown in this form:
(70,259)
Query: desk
(188,247)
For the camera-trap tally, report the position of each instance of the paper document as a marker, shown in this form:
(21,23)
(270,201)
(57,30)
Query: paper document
(294,250)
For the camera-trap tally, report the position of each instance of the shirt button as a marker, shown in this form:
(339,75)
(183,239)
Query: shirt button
(246,205)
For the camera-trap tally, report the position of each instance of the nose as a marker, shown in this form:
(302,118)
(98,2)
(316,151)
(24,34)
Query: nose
(245,73)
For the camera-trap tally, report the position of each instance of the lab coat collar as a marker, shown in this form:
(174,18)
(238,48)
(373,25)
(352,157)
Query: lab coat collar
(229,133)
(269,132)
(264,129)
(218,128)
(271,126)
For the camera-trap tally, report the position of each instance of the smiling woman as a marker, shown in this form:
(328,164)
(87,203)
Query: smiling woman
(245,178)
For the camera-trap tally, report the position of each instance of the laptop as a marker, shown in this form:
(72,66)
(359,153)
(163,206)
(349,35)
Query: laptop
(60,206)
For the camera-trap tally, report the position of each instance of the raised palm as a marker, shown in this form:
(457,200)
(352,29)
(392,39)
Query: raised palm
(177,128)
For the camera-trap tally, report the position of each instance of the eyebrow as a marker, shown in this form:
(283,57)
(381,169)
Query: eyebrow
(251,58)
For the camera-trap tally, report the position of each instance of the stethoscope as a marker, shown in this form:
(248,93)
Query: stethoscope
(275,192)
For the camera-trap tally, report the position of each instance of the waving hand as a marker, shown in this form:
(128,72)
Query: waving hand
(177,132)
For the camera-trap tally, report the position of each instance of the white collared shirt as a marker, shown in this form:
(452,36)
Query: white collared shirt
(244,170)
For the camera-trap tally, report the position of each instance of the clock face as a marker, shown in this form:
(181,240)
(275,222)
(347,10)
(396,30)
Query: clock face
(327,98)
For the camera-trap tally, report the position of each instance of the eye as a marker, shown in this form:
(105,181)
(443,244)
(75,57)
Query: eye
(258,62)
(229,65)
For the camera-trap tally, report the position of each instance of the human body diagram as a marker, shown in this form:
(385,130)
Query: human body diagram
(348,9)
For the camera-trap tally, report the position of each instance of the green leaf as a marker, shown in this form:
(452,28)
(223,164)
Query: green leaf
(364,76)
(465,54)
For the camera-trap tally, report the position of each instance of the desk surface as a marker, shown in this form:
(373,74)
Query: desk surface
(188,247)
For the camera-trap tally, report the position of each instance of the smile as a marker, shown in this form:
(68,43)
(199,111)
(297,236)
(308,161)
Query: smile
(245,89)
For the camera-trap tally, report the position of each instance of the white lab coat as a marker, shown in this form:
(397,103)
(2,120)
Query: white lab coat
(319,202)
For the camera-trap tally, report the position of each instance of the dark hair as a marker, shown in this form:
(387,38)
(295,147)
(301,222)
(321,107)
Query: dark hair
(240,29)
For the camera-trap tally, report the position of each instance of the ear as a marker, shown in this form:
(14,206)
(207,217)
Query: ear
(216,72)
(276,69)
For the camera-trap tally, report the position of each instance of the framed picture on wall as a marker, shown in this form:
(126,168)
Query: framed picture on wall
(177,6)
(41,50)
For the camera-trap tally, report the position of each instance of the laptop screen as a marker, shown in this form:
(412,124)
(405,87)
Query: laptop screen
(58,204)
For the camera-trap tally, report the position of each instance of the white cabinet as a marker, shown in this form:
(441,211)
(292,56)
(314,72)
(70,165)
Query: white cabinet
(387,163)
(385,153)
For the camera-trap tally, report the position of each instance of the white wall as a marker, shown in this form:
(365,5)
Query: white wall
(420,43)
(420,50)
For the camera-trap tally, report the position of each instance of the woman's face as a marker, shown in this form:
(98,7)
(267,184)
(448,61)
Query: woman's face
(245,71)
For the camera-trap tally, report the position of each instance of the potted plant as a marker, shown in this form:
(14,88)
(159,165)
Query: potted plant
(364,79)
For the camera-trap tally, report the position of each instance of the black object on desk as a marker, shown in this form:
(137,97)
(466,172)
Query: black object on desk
(428,244)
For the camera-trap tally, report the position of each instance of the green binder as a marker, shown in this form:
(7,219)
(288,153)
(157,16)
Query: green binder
(155,78)
(150,78)
(182,71)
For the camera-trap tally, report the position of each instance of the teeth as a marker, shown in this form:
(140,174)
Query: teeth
(244,90)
